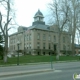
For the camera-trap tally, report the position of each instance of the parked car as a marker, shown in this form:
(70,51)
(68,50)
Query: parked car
(78,54)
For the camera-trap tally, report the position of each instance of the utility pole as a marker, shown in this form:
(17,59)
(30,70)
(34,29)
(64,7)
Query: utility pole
(18,53)
(24,41)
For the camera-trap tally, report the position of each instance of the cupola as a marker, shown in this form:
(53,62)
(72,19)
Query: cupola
(38,18)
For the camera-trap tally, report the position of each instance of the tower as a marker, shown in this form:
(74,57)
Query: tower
(38,18)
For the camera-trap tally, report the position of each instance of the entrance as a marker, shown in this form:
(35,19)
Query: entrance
(55,48)
(43,53)
(38,53)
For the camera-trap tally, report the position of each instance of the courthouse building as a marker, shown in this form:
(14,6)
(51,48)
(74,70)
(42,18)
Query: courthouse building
(39,38)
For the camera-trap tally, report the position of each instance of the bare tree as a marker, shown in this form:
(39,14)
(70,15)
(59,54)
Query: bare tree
(66,13)
(75,11)
(5,26)
(61,18)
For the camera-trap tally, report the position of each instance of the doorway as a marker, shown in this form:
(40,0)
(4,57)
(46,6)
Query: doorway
(55,47)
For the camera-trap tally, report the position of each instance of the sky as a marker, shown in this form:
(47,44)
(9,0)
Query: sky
(26,9)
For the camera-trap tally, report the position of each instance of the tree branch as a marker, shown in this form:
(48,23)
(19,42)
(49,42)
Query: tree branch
(10,28)
(6,24)
(66,19)
(1,24)
(0,17)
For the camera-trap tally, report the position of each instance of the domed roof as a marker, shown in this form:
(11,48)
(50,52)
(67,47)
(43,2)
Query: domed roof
(38,14)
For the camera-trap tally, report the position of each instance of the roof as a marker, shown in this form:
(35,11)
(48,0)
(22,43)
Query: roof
(39,14)
(15,33)
(24,28)
(39,26)
(38,22)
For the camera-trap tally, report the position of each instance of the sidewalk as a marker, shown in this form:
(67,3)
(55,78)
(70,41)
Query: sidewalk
(14,73)
(27,69)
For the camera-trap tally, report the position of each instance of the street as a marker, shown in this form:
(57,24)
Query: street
(63,71)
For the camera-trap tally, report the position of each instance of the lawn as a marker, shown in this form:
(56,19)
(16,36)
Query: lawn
(34,59)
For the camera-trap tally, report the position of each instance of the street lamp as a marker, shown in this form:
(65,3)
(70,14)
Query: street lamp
(18,53)
(24,42)
(51,62)
(51,59)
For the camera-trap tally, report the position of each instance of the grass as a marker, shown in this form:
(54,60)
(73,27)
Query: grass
(35,59)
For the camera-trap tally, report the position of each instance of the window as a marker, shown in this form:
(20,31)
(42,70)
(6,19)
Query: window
(25,37)
(14,40)
(44,37)
(54,38)
(11,41)
(38,36)
(30,37)
(12,47)
(49,37)
(43,45)
(27,45)
(49,46)
(63,39)
(38,45)
(30,45)
(64,47)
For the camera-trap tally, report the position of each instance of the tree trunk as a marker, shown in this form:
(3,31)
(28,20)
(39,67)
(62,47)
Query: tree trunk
(74,30)
(5,58)
(58,47)
(6,49)
(73,37)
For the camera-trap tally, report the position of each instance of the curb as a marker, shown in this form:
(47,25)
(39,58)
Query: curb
(7,74)
(65,61)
